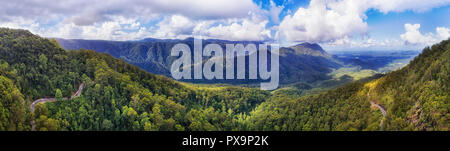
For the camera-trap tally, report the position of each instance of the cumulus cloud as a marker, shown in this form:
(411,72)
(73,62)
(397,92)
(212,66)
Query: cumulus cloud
(131,19)
(333,21)
(88,12)
(175,26)
(251,28)
(414,37)
(116,29)
(386,6)
(275,12)
(329,20)
(443,33)
(246,30)
(319,23)
(411,39)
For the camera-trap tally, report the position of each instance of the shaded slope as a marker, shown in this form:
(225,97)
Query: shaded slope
(301,63)
(415,98)
(123,97)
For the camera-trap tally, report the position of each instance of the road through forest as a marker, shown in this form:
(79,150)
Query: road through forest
(383,111)
(45,100)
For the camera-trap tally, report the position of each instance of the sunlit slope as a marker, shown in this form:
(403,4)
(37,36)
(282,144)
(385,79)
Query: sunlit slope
(415,98)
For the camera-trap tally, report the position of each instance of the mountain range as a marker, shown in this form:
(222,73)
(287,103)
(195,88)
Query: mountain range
(94,91)
(305,62)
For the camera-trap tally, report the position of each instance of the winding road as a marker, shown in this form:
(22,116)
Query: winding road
(379,107)
(383,111)
(45,100)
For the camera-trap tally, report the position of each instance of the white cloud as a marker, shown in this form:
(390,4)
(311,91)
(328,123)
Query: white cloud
(246,30)
(250,28)
(329,20)
(443,33)
(134,19)
(386,6)
(88,12)
(275,12)
(175,26)
(414,37)
(110,30)
(318,23)
(333,21)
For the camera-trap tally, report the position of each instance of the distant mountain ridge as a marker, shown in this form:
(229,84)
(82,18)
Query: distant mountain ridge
(305,49)
(300,63)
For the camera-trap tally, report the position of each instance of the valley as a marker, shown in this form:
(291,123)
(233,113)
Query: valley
(300,64)
(126,97)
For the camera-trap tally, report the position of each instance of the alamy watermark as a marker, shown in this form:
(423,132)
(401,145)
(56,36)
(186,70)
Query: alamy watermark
(213,67)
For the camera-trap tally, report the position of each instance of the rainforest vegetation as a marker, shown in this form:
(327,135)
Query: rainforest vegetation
(120,96)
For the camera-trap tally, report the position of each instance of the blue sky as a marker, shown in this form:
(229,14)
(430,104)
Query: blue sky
(335,24)
(391,24)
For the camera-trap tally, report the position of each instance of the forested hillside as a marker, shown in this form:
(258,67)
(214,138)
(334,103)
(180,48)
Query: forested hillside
(117,95)
(120,96)
(415,98)
(12,106)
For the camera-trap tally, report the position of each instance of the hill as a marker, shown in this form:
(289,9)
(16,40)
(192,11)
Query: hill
(306,62)
(415,97)
(116,95)
(120,96)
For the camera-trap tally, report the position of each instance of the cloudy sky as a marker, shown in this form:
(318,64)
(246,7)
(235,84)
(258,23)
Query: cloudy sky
(335,24)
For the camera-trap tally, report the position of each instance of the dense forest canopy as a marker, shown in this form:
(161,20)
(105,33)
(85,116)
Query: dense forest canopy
(120,96)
